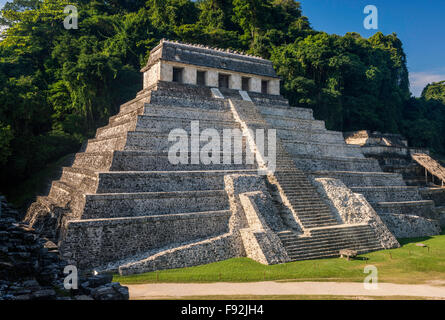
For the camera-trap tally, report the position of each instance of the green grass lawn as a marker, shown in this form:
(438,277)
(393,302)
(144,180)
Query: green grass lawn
(408,264)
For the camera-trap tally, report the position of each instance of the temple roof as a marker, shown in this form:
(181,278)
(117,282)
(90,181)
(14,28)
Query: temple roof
(204,56)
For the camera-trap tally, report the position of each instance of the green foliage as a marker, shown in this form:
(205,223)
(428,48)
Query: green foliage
(351,82)
(5,140)
(424,118)
(57,86)
(435,91)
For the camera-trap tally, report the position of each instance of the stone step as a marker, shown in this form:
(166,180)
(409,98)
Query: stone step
(296,185)
(322,223)
(149,141)
(167,124)
(136,103)
(320,136)
(107,143)
(297,244)
(62,194)
(311,215)
(302,196)
(333,244)
(313,162)
(293,180)
(294,147)
(298,190)
(332,253)
(130,114)
(283,124)
(362,179)
(309,210)
(80,178)
(100,161)
(113,205)
(339,229)
(160,97)
(319,207)
(162,125)
(436,194)
(193,113)
(273,101)
(305,136)
(127,160)
(163,181)
(117,128)
(423,208)
(309,220)
(325,237)
(388,194)
(315,203)
(420,181)
(285,111)
(326,242)
(314,215)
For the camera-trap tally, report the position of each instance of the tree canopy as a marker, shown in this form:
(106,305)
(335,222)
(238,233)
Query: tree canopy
(57,85)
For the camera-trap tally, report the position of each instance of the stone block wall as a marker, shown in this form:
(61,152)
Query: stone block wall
(163,71)
(102,238)
(197,253)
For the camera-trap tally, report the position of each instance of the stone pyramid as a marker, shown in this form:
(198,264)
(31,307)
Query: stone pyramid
(123,205)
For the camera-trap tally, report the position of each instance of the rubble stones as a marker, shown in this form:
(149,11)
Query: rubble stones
(30,267)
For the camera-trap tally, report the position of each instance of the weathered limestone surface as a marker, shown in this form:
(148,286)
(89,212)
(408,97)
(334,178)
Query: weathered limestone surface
(259,219)
(410,226)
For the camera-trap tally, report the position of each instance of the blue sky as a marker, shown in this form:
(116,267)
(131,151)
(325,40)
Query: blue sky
(420,24)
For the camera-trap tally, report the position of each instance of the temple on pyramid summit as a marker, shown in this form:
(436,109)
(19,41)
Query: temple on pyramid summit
(124,206)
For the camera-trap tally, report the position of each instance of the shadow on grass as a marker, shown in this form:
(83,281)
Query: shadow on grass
(404,241)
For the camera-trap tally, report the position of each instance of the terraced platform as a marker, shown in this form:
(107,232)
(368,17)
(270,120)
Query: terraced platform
(123,203)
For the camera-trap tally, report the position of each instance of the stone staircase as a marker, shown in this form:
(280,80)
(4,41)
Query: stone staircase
(323,234)
(326,242)
(302,195)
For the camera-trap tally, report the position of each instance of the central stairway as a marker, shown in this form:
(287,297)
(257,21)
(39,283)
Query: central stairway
(326,242)
(322,235)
